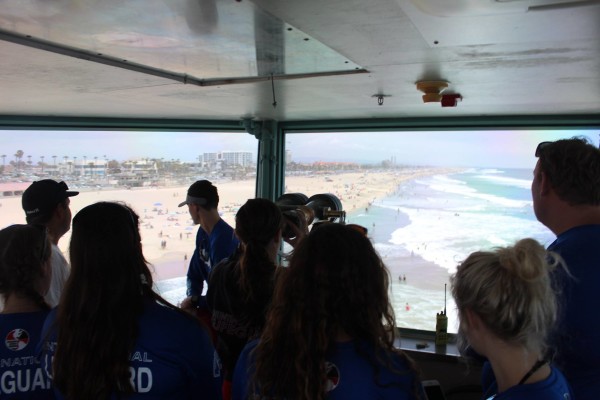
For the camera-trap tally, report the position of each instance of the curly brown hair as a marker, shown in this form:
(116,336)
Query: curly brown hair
(335,283)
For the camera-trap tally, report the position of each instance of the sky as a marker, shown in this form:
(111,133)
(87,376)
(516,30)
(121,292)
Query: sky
(492,149)
(487,149)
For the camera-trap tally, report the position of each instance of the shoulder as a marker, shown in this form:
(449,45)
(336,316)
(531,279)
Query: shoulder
(57,258)
(555,387)
(577,238)
(22,327)
(166,321)
(222,229)
(356,359)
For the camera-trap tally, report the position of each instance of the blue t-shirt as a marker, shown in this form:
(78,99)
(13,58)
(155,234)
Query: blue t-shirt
(173,357)
(349,375)
(554,387)
(210,250)
(576,338)
(21,372)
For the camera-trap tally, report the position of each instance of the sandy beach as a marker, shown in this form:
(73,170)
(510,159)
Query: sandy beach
(162,221)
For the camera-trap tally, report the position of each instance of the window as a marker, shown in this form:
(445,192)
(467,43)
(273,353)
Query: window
(150,171)
(428,198)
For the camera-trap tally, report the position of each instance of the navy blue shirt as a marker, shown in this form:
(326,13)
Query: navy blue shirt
(576,339)
(554,387)
(349,375)
(210,250)
(21,372)
(173,357)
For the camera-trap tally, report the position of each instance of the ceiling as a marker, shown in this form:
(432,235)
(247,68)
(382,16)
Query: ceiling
(297,60)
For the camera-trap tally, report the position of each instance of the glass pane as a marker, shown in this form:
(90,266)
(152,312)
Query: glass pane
(428,199)
(150,171)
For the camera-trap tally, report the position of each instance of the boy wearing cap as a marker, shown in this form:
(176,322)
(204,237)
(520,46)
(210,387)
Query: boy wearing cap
(215,240)
(46,203)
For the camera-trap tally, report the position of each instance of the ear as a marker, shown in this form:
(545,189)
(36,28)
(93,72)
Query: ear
(59,211)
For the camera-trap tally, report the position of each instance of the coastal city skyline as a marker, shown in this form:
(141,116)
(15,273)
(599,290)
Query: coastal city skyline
(498,148)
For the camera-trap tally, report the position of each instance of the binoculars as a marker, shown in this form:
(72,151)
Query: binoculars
(297,208)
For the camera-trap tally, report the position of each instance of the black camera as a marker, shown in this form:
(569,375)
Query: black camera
(320,208)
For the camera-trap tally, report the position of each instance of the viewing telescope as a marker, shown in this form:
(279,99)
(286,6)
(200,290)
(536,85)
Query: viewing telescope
(319,208)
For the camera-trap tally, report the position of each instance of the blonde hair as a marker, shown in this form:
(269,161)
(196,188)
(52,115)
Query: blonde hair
(510,289)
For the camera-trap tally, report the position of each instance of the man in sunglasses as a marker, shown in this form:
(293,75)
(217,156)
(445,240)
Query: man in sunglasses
(46,203)
(566,198)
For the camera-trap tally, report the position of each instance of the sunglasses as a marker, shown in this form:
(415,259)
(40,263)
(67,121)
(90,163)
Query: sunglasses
(540,147)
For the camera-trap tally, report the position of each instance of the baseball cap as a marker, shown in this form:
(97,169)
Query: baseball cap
(201,192)
(42,196)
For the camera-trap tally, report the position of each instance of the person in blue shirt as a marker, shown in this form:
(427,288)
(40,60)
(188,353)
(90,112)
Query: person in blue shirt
(112,336)
(566,199)
(215,241)
(330,329)
(507,308)
(25,276)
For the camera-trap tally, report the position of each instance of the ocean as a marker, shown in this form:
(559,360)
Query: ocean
(440,220)
(429,225)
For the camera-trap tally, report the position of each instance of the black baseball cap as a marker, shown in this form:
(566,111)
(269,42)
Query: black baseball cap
(42,196)
(202,193)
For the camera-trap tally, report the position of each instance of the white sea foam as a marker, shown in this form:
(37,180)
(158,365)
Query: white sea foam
(446,238)
(453,186)
(507,181)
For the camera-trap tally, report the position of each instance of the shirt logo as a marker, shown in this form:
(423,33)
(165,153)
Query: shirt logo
(17,339)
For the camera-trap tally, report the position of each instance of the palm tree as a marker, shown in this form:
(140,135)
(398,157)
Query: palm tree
(18,157)
(42,163)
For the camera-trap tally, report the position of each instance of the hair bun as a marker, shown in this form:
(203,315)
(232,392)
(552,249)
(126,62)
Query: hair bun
(527,259)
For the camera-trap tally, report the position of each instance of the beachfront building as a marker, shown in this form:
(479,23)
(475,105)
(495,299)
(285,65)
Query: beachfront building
(220,160)
(136,173)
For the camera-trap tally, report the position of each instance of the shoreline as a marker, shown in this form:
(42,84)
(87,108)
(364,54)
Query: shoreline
(359,192)
(161,219)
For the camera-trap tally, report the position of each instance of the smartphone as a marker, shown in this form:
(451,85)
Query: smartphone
(433,390)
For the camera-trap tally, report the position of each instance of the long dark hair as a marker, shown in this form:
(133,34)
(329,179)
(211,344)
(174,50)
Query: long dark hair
(23,251)
(336,282)
(256,224)
(104,295)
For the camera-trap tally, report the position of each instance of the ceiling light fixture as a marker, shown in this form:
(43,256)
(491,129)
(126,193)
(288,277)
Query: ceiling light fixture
(432,89)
